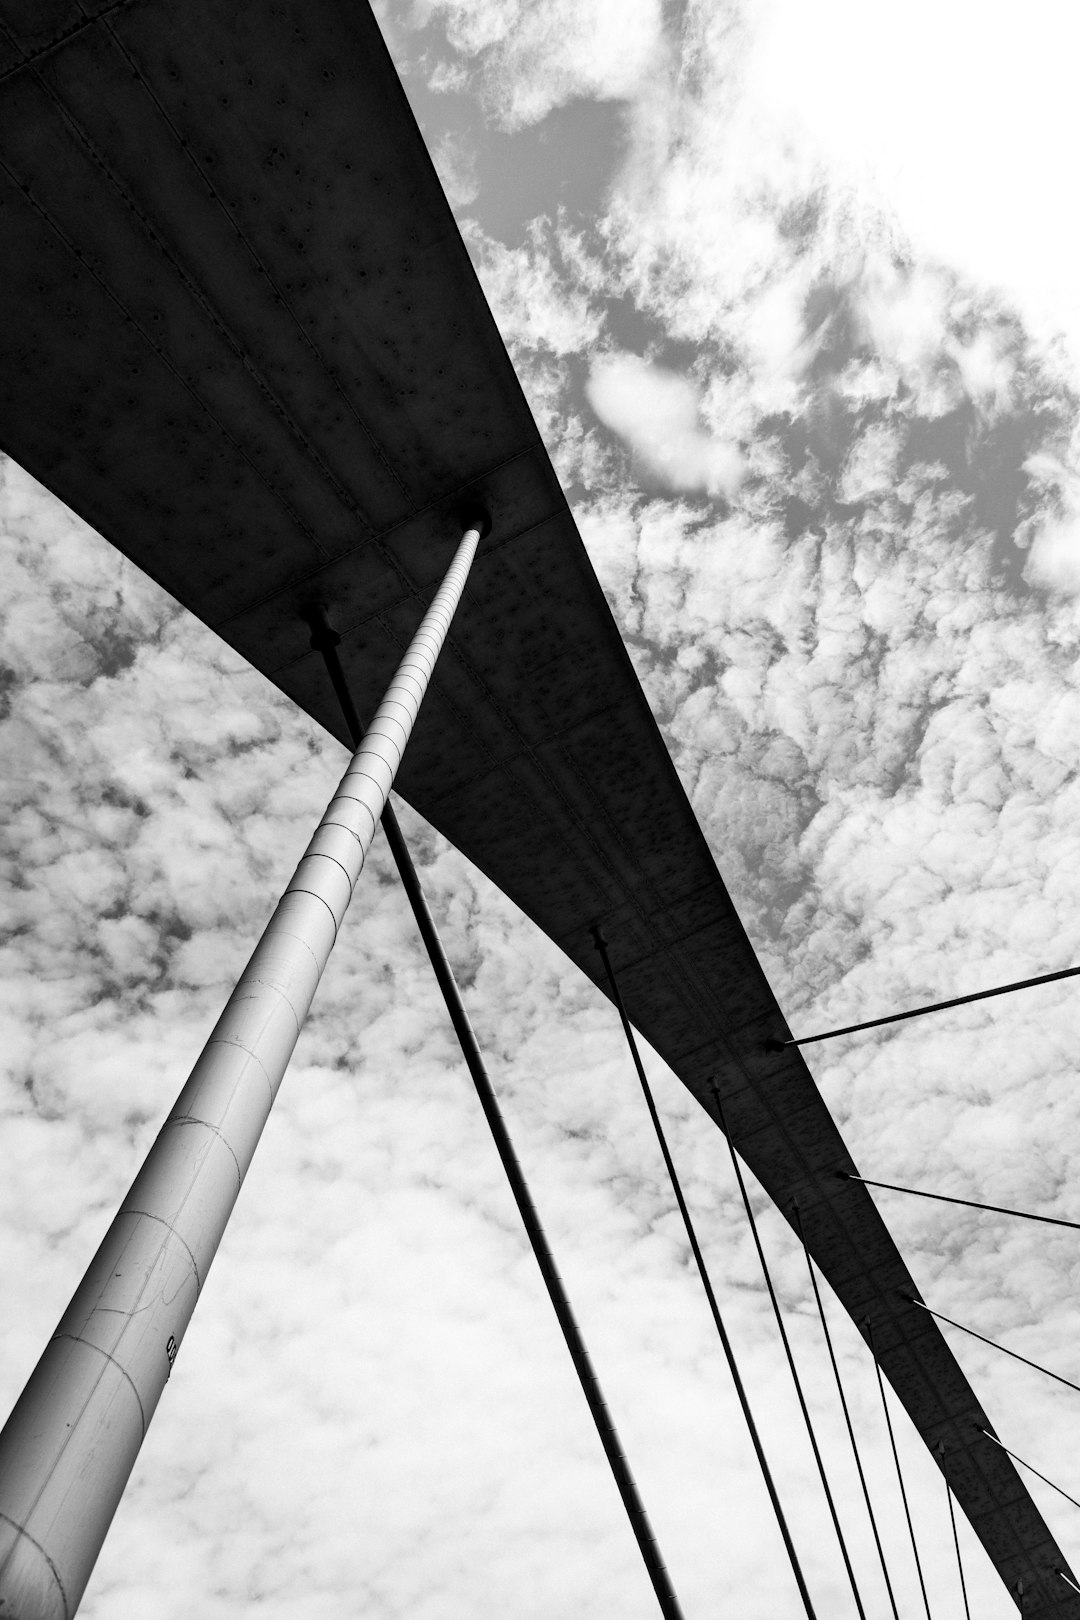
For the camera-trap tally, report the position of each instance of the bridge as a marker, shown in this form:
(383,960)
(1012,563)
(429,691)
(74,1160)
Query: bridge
(241,337)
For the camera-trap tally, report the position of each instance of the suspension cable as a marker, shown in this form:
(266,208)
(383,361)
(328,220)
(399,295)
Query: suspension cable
(991,1342)
(796,1380)
(844,1406)
(776,1045)
(955,1532)
(326,640)
(968,1203)
(699,1259)
(899,1471)
(1068,1580)
(1030,1468)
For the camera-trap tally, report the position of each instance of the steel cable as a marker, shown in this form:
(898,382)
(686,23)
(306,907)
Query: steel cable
(968,1203)
(844,1406)
(1030,1468)
(706,1283)
(899,1471)
(776,1045)
(790,1356)
(991,1342)
(325,640)
(955,1531)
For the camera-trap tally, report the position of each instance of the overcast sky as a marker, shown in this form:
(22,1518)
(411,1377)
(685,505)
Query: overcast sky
(790,290)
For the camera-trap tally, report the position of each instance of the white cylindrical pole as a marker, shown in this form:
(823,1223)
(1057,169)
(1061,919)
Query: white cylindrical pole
(70,1444)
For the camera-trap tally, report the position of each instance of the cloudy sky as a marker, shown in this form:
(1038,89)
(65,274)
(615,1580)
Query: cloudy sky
(788,288)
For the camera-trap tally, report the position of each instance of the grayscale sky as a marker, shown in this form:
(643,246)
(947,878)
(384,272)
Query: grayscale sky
(791,290)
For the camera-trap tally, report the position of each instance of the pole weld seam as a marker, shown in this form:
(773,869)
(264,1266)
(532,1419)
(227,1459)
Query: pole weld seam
(34,1542)
(321,855)
(148,1216)
(230,1040)
(77,1338)
(196,1119)
(300,888)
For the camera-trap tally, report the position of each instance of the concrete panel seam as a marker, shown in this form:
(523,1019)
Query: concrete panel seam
(346,396)
(204,302)
(29,59)
(167,362)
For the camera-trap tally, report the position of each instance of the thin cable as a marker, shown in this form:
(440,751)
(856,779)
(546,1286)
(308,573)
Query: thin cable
(790,1356)
(1029,1467)
(1067,1581)
(968,1203)
(920,1012)
(325,640)
(899,1471)
(695,1248)
(991,1342)
(955,1532)
(847,1414)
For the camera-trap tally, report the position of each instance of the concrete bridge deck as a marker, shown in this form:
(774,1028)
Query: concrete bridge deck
(241,336)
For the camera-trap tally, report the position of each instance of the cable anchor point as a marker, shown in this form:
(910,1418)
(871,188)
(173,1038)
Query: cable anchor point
(317,618)
(472,515)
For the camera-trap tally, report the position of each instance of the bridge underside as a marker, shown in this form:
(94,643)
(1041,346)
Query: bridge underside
(241,336)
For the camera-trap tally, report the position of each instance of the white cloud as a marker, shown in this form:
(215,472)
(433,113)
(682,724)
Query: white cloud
(871,467)
(539,305)
(455,161)
(658,414)
(880,733)
(1054,559)
(373,1349)
(532,59)
(958,117)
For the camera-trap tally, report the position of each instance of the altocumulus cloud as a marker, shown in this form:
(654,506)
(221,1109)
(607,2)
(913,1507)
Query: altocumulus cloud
(870,704)
(877,719)
(658,414)
(536,58)
(373,1398)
